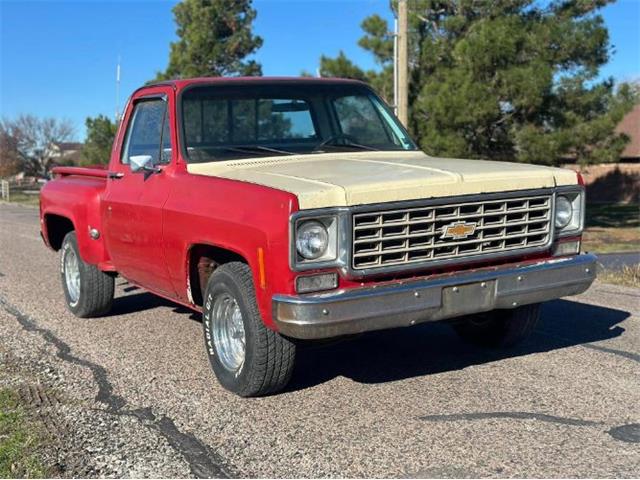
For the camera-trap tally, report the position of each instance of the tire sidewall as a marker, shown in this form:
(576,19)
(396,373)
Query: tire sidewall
(70,243)
(219,283)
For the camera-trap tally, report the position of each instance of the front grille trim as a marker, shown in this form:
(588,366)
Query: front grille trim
(405,215)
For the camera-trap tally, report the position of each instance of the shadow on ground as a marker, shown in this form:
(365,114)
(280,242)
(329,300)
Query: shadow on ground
(432,348)
(425,349)
(142,300)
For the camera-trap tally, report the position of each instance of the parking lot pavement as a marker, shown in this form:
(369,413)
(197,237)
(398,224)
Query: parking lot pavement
(136,396)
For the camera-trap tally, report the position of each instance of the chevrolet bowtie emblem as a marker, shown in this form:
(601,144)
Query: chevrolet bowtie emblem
(459,230)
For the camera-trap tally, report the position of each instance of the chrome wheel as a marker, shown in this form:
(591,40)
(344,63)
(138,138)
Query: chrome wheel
(228,332)
(72,275)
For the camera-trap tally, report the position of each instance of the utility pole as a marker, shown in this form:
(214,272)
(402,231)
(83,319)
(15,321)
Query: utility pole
(395,66)
(402,60)
(118,91)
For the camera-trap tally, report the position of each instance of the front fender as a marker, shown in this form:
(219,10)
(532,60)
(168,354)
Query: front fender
(249,220)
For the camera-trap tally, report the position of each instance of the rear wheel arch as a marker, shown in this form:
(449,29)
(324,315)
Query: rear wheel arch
(202,260)
(57,227)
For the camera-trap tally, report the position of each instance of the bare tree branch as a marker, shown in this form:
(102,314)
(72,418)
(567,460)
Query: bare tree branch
(32,141)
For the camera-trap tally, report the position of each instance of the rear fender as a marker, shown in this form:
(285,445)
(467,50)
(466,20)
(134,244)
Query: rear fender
(82,209)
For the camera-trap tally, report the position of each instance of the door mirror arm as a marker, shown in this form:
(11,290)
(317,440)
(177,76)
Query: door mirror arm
(150,170)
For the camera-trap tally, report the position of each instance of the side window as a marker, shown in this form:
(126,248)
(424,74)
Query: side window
(144,132)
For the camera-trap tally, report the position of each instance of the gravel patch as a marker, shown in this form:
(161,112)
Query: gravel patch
(86,437)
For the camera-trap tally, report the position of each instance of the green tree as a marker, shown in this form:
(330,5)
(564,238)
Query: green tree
(378,40)
(341,67)
(214,39)
(507,79)
(101,132)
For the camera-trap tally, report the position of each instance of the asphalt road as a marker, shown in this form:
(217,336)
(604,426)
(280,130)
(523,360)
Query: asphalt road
(616,261)
(134,393)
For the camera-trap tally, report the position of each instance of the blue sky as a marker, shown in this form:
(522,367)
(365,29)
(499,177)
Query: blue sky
(58,58)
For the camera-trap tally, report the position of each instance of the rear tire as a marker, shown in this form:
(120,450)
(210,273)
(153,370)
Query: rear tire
(247,358)
(499,328)
(88,291)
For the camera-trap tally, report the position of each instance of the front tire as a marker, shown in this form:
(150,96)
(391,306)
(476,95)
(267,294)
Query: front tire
(499,328)
(87,289)
(247,358)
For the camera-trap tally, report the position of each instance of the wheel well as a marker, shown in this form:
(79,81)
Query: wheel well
(57,228)
(203,260)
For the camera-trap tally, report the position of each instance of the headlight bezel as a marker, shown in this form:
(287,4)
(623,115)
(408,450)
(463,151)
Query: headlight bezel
(576,196)
(335,220)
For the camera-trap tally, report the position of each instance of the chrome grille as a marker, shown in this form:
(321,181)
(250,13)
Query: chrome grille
(404,236)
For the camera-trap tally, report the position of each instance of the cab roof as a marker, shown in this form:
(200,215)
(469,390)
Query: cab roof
(179,84)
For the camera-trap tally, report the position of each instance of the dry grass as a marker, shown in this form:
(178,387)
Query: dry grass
(611,240)
(628,276)
(24,198)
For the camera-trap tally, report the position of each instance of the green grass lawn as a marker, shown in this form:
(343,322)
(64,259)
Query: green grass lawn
(612,228)
(613,215)
(19,440)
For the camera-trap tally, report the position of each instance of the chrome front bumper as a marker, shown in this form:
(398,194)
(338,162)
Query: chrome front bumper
(344,312)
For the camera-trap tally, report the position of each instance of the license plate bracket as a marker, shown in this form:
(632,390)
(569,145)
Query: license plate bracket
(469,298)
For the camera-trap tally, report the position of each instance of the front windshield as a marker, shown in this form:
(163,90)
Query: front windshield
(240,121)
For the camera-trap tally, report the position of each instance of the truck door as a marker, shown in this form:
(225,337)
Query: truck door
(132,207)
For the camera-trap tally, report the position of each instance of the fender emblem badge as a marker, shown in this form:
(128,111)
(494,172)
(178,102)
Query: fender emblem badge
(459,230)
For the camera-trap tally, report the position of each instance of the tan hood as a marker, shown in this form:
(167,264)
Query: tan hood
(345,179)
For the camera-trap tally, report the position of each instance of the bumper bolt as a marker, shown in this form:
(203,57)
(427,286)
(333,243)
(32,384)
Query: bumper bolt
(416,294)
(587,270)
(455,289)
(515,304)
(520,278)
(483,284)
(325,311)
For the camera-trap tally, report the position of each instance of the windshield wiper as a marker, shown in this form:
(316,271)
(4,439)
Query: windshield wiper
(347,142)
(359,146)
(257,149)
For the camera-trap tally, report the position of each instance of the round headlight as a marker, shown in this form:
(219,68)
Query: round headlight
(312,240)
(564,211)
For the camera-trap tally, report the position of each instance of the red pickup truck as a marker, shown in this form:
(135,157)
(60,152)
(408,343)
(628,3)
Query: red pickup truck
(286,209)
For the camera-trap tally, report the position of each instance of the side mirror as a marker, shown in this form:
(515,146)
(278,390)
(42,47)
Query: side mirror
(139,163)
